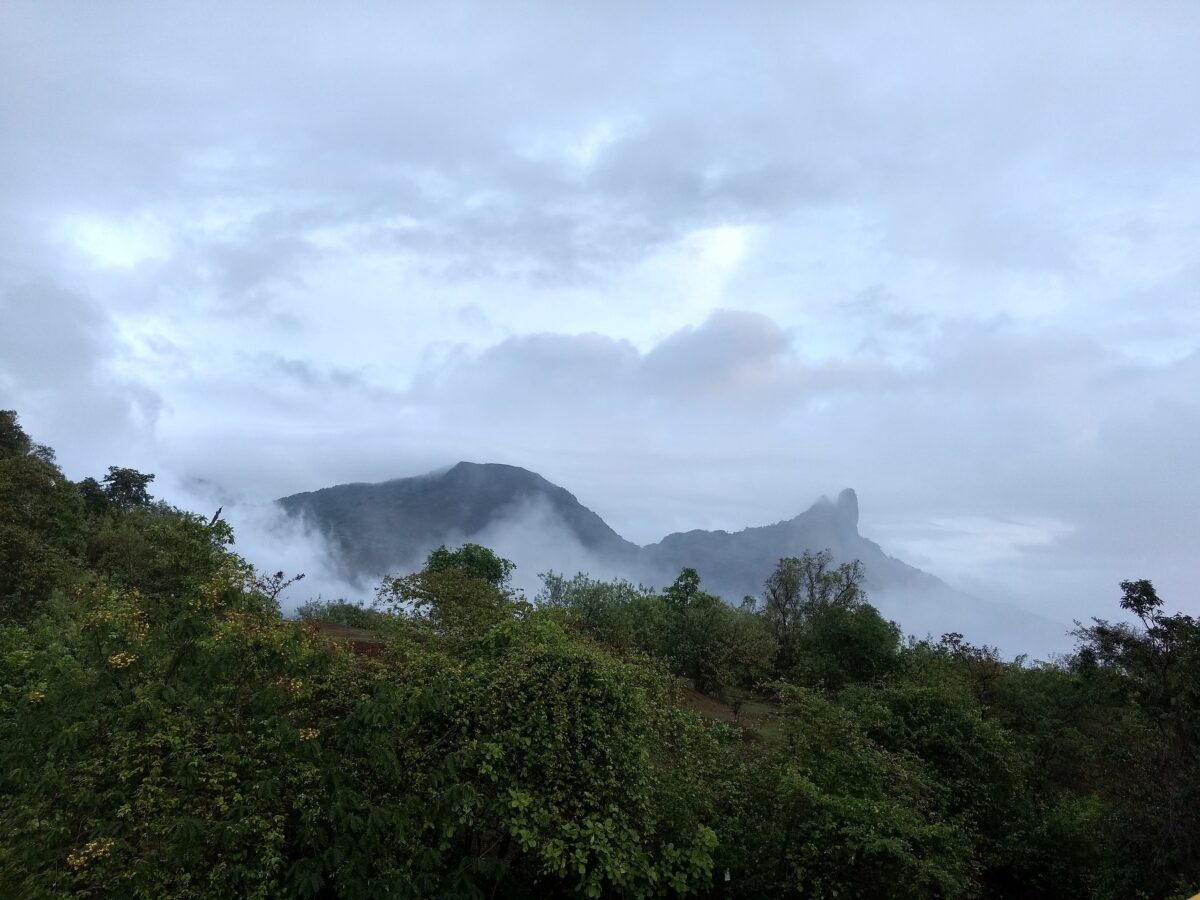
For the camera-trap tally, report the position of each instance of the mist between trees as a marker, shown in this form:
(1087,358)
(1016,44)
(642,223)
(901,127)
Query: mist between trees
(166,732)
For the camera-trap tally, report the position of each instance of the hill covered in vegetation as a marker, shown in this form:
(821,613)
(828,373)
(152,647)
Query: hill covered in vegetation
(165,732)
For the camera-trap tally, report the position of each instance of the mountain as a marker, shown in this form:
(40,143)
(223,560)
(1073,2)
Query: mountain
(377,528)
(735,564)
(374,529)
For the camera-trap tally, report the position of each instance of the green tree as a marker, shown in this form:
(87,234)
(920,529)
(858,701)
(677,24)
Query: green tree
(127,488)
(684,590)
(41,514)
(156,746)
(825,630)
(1152,764)
(157,549)
(463,591)
(692,632)
(623,615)
(720,646)
(801,584)
(827,812)
(474,560)
(835,645)
(562,746)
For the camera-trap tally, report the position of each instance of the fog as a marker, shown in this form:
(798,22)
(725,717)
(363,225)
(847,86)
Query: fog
(535,538)
(271,541)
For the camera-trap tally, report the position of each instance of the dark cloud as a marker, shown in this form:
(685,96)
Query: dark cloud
(309,376)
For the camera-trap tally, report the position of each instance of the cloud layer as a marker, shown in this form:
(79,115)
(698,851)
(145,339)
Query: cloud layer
(697,265)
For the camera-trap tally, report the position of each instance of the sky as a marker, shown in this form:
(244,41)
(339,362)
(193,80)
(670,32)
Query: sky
(699,263)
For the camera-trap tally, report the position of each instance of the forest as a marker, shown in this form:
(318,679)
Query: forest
(165,731)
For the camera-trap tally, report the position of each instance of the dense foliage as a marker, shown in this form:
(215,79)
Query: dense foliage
(165,732)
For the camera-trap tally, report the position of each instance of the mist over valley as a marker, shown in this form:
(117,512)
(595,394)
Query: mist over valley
(372,530)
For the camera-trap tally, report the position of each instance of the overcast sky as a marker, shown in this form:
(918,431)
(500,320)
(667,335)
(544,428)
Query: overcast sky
(698,263)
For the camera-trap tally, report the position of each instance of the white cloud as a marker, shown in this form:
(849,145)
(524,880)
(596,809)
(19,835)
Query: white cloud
(120,244)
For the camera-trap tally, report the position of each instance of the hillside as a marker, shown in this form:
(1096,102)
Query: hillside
(166,732)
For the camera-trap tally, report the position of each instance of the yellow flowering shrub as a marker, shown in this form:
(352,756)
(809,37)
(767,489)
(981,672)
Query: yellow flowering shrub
(91,852)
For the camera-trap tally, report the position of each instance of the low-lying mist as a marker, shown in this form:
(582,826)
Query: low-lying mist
(272,541)
(533,536)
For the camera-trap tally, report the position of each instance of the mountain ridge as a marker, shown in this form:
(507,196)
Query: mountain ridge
(381,527)
(423,511)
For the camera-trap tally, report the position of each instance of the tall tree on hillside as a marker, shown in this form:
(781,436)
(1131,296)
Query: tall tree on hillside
(1156,770)
(473,560)
(800,586)
(127,488)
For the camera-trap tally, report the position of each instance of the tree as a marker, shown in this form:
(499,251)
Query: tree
(620,613)
(829,812)
(1160,661)
(474,560)
(561,746)
(127,488)
(720,647)
(95,499)
(13,439)
(1154,767)
(40,517)
(461,591)
(684,590)
(800,587)
(835,645)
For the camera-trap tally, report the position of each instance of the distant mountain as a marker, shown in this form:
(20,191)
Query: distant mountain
(373,529)
(734,564)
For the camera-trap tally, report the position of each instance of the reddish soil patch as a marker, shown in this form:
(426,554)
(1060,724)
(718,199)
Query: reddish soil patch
(358,640)
(757,716)
(709,707)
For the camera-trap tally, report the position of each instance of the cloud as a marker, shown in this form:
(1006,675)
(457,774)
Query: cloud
(1006,459)
(699,266)
(534,536)
(1019,447)
(59,367)
(273,542)
(699,140)
(730,351)
(733,364)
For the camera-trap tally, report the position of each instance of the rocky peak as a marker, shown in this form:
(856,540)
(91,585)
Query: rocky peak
(847,507)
